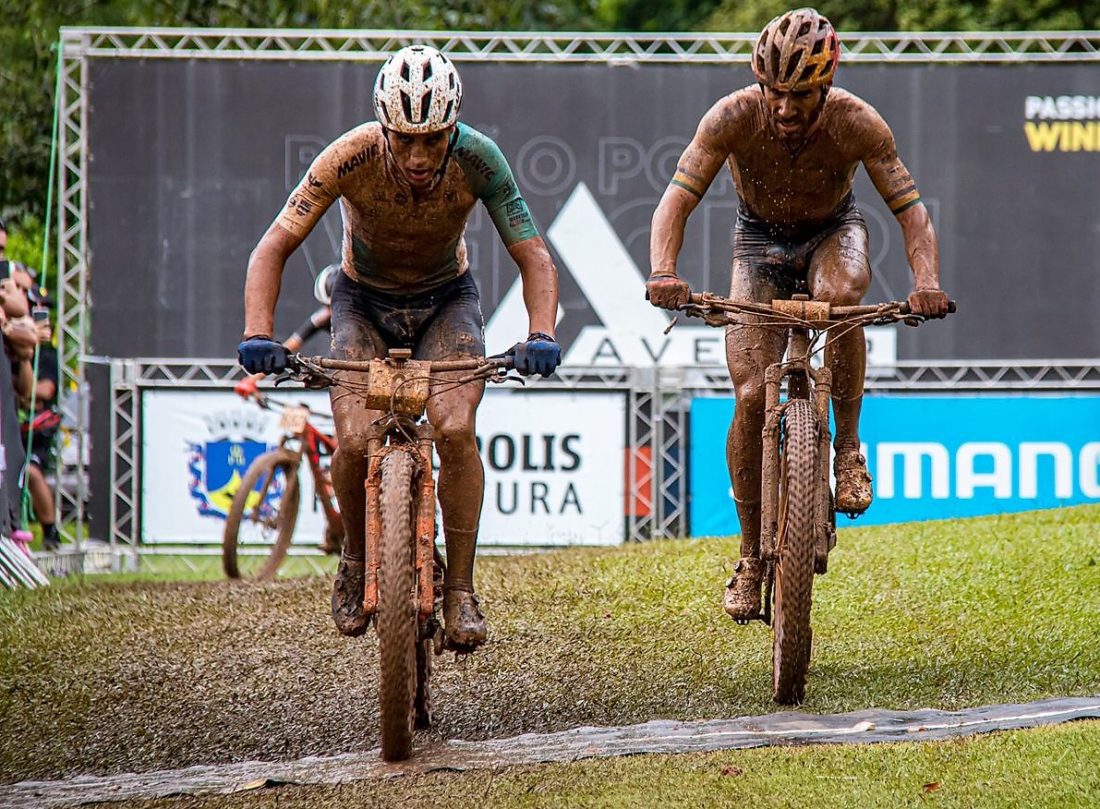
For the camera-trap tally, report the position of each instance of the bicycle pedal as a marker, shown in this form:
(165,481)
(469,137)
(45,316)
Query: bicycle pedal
(746,621)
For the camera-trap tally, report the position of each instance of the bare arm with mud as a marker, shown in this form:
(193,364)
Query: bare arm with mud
(303,210)
(899,192)
(264,279)
(695,171)
(540,283)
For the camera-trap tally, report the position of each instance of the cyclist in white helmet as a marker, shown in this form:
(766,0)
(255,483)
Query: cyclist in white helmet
(793,143)
(407,184)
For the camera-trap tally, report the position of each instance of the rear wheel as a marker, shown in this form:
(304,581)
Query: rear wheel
(254,511)
(794,568)
(397,625)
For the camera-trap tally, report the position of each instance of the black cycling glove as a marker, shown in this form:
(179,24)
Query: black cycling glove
(259,354)
(539,354)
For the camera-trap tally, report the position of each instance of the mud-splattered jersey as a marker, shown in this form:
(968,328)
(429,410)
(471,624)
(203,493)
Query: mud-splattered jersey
(789,187)
(395,241)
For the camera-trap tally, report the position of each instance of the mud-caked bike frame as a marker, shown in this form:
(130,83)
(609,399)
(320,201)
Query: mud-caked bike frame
(797,515)
(300,439)
(404,570)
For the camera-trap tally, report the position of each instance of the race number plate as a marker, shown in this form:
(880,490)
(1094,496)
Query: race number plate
(403,389)
(294,419)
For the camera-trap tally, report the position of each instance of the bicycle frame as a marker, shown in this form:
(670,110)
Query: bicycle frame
(397,429)
(311,441)
(803,382)
(799,316)
(399,387)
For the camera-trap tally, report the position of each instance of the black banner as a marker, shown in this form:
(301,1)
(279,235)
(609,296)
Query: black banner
(191,160)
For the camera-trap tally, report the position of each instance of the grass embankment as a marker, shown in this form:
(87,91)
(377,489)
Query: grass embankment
(100,677)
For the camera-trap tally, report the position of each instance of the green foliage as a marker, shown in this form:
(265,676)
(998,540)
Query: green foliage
(918,15)
(29,37)
(25,242)
(654,15)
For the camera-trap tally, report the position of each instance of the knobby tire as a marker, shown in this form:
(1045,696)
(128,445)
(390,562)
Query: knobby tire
(285,518)
(794,569)
(396,619)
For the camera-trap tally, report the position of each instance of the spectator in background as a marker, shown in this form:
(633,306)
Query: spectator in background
(13,269)
(42,420)
(16,377)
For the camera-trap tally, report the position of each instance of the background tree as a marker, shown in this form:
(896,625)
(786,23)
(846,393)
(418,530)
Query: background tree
(918,15)
(30,32)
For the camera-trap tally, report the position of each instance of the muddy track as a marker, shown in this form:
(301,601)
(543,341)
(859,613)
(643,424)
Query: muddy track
(107,678)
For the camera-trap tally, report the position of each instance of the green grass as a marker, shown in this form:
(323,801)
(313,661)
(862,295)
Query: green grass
(102,676)
(191,567)
(1048,767)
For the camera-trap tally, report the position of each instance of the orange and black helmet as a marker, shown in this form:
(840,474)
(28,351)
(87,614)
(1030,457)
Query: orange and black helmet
(798,50)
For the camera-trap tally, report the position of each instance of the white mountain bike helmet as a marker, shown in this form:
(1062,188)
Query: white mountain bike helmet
(323,283)
(417,91)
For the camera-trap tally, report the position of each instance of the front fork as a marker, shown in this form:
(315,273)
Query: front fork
(799,375)
(424,530)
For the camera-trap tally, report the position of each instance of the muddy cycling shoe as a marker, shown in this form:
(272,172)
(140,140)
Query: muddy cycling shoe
(463,624)
(853,482)
(347,598)
(742,598)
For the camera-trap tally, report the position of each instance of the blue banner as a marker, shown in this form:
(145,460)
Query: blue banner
(933,457)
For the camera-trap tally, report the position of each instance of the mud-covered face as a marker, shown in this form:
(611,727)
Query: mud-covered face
(793,112)
(419,157)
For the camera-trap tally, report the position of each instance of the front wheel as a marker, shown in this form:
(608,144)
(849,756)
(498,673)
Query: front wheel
(795,549)
(258,504)
(396,619)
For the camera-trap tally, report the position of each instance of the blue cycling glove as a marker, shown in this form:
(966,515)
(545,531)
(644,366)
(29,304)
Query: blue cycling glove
(259,354)
(539,354)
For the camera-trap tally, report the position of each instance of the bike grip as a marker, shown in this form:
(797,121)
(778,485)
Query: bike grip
(905,310)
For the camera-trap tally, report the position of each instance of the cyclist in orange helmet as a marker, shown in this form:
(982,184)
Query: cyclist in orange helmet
(793,143)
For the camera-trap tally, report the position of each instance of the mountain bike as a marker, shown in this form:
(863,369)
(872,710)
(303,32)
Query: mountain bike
(403,583)
(797,514)
(267,501)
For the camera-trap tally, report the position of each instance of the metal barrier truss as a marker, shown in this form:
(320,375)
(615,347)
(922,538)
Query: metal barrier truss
(368,45)
(657,421)
(648,428)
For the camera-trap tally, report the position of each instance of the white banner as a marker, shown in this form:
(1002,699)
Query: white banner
(554,465)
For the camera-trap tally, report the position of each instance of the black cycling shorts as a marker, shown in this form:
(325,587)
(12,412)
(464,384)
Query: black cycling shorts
(439,323)
(780,257)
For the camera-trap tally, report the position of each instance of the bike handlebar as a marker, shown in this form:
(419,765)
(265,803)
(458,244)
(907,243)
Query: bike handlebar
(700,304)
(504,363)
(312,370)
